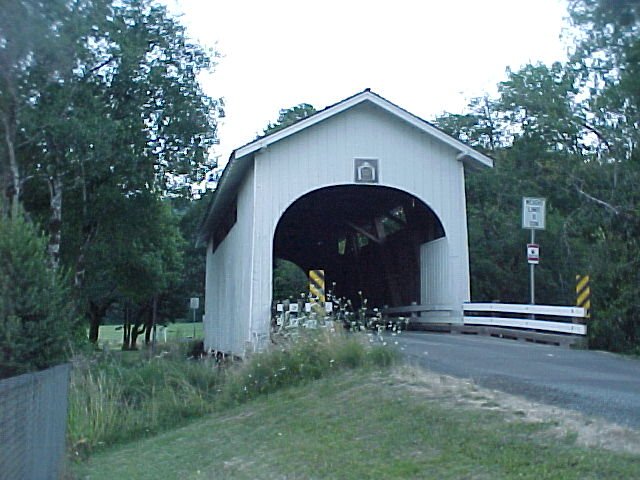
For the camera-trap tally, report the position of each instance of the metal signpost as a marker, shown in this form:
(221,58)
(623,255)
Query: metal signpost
(194,304)
(533,218)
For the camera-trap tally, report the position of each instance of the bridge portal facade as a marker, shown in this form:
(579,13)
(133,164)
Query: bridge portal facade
(364,190)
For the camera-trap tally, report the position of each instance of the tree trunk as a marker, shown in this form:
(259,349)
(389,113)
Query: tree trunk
(96,314)
(94,328)
(55,219)
(134,337)
(141,325)
(154,321)
(89,230)
(147,333)
(14,186)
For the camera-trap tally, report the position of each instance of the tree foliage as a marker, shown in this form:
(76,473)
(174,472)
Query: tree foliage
(567,132)
(289,116)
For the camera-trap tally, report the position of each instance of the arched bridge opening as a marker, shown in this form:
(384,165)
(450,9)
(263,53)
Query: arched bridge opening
(367,238)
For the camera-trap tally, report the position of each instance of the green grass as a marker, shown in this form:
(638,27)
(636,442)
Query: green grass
(174,331)
(358,424)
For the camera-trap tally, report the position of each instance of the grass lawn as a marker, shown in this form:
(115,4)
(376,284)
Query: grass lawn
(362,424)
(112,334)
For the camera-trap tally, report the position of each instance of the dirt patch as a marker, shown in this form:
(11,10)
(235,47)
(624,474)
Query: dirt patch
(588,431)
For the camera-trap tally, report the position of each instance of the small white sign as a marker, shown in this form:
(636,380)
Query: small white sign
(366,170)
(533,213)
(293,308)
(328,307)
(279,307)
(194,303)
(533,253)
(307,307)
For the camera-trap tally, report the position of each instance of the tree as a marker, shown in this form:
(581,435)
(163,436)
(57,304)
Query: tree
(135,257)
(38,320)
(289,280)
(289,116)
(606,61)
(123,118)
(567,132)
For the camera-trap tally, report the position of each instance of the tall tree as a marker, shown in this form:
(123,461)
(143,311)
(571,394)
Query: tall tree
(120,117)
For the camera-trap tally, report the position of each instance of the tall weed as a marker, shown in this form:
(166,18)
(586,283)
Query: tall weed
(120,396)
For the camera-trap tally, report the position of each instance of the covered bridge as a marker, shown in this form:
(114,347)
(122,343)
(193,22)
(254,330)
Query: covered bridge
(365,191)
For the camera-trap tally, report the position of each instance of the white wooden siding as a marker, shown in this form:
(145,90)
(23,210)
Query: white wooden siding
(434,273)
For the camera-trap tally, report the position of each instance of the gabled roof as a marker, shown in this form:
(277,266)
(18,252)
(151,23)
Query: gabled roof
(240,159)
(471,156)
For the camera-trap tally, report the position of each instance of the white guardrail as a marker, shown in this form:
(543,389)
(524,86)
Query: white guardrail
(503,316)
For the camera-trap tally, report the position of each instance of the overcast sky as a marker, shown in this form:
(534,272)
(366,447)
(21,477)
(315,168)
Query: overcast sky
(426,56)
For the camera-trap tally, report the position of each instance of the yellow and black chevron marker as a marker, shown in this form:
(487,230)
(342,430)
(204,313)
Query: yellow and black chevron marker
(583,294)
(316,284)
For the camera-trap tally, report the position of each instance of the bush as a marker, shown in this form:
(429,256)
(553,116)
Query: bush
(37,316)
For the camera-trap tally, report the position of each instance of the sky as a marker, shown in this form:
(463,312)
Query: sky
(428,57)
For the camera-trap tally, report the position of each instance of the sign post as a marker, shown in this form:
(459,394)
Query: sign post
(194,304)
(533,218)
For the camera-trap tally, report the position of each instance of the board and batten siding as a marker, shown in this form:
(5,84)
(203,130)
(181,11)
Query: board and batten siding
(322,156)
(228,274)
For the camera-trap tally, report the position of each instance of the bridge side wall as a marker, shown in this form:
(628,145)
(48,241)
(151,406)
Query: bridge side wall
(228,281)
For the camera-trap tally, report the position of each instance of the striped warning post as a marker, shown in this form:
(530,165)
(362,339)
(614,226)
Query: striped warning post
(583,294)
(316,284)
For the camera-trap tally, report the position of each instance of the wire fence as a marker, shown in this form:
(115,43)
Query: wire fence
(33,419)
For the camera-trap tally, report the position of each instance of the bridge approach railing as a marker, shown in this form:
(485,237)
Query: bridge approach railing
(560,325)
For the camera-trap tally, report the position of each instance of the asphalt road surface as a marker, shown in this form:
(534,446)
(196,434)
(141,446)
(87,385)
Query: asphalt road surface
(592,382)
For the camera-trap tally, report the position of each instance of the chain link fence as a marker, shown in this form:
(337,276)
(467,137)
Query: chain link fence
(33,420)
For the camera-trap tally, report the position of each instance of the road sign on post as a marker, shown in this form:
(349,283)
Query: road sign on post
(533,218)
(533,213)
(533,253)
(194,303)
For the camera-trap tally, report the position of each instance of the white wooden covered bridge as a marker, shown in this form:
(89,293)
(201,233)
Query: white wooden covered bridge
(364,190)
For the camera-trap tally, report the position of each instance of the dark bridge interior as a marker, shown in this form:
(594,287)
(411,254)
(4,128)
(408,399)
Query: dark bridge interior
(366,238)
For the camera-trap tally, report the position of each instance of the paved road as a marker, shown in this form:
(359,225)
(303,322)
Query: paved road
(595,383)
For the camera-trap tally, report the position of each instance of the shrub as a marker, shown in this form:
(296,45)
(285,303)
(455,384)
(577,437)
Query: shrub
(37,316)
